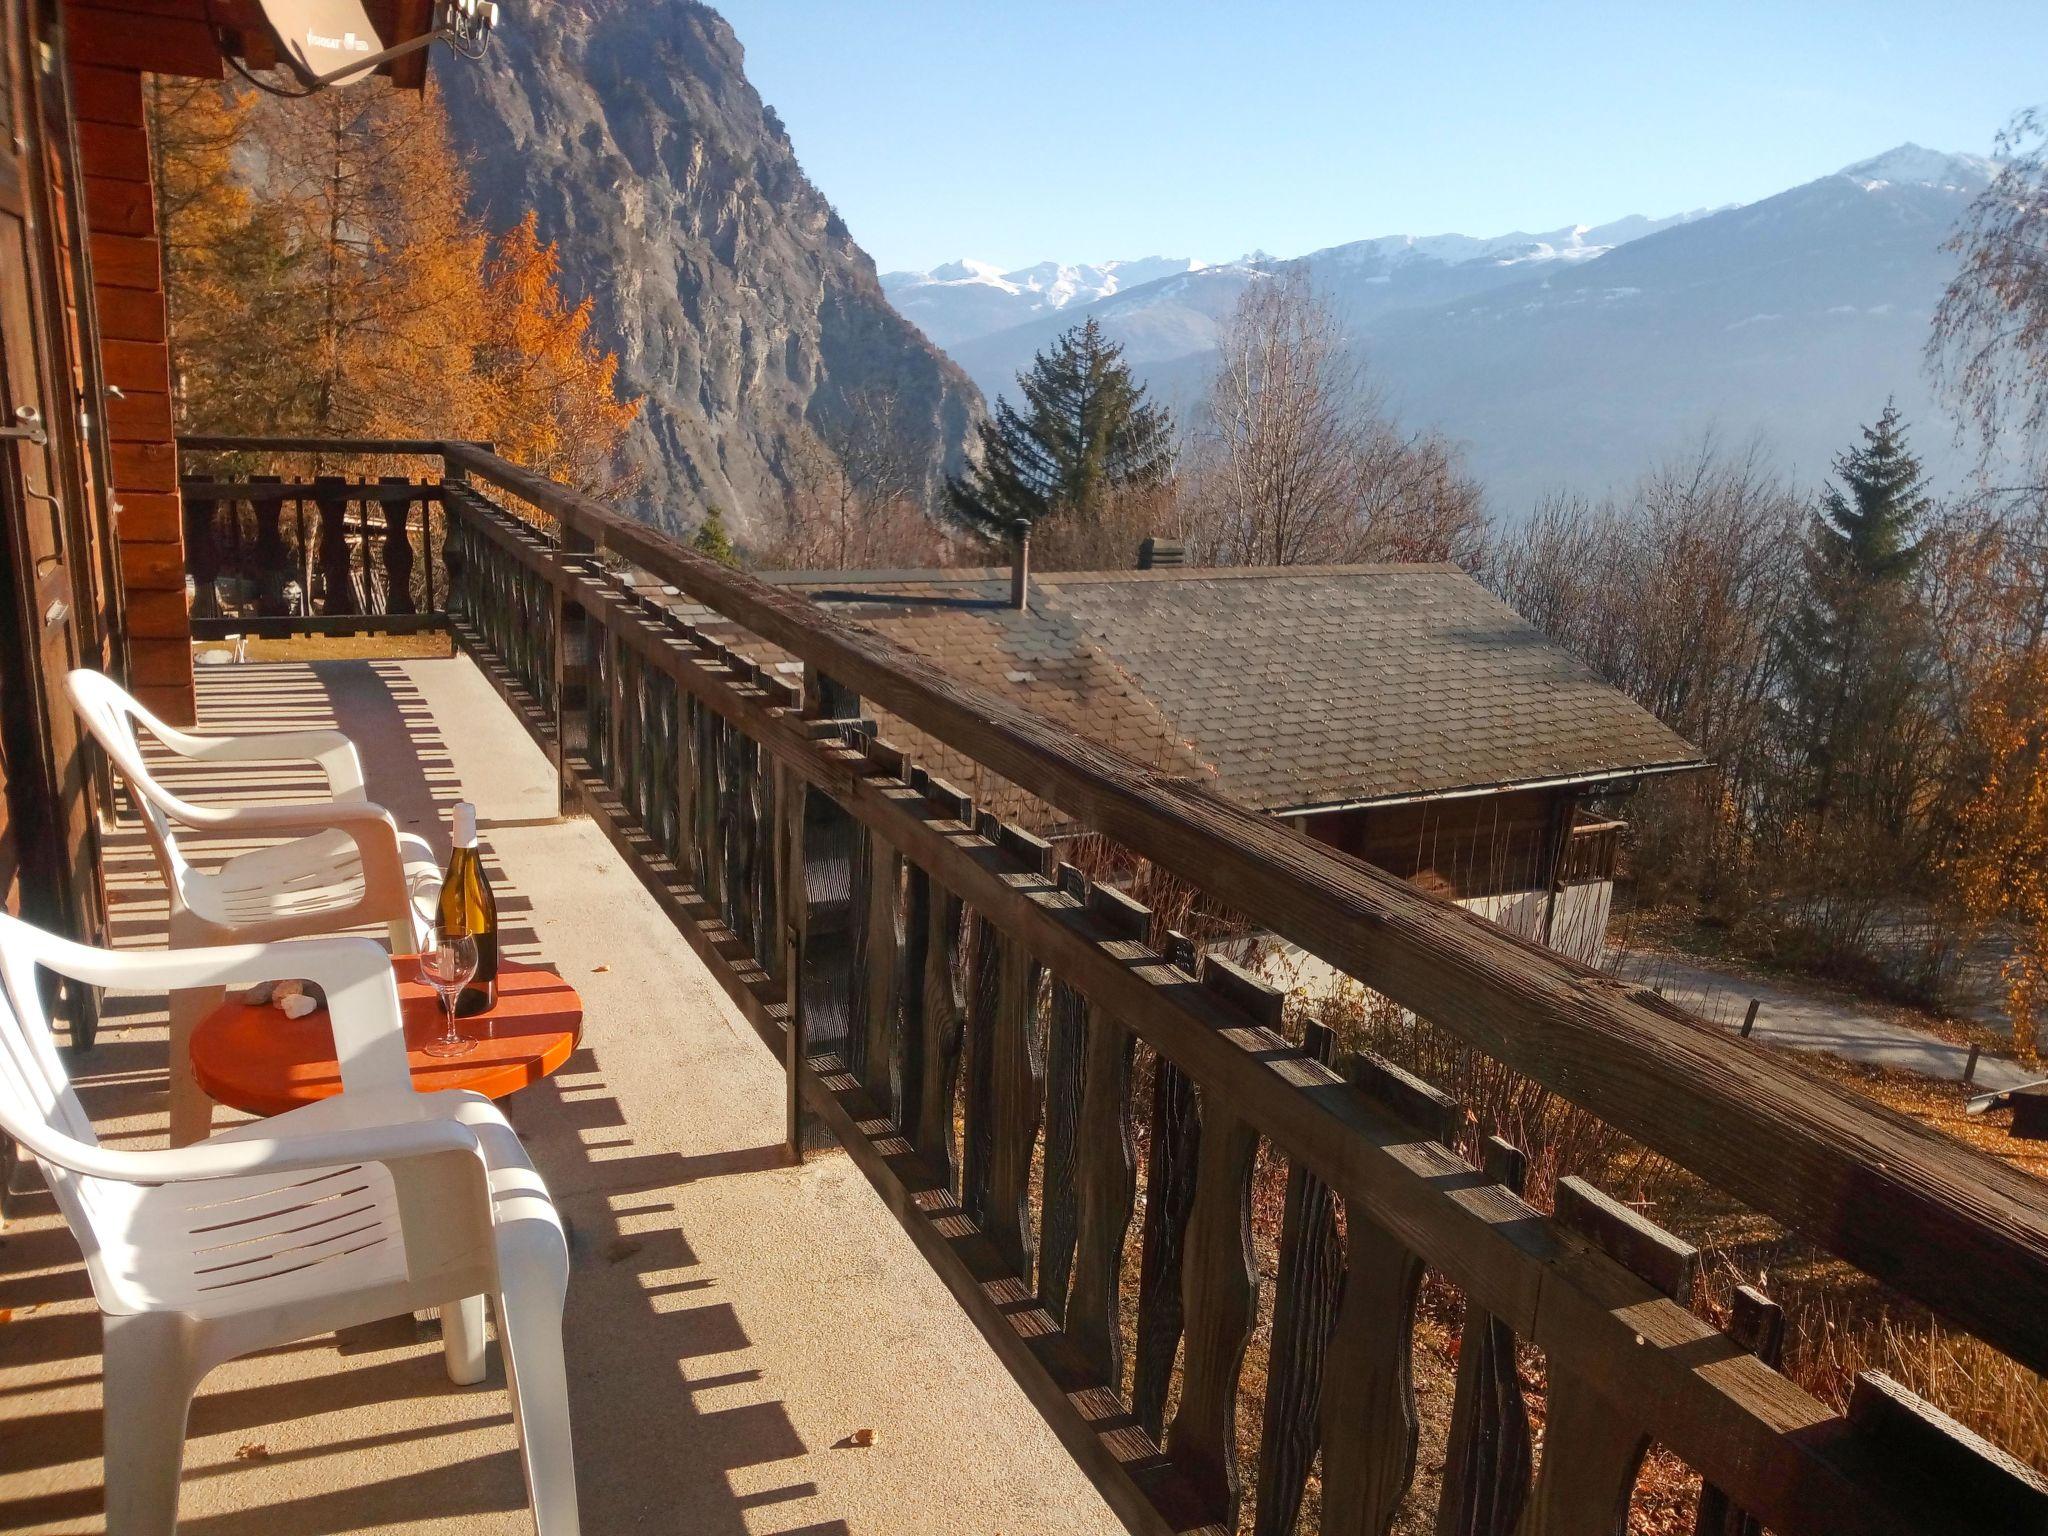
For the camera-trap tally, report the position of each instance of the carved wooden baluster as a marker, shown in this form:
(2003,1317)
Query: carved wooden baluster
(397,548)
(601,735)
(1973,1485)
(436,497)
(1369,1420)
(1105,1161)
(304,552)
(662,781)
(882,939)
(688,741)
(906,1066)
(1169,1196)
(710,828)
(732,882)
(1219,1282)
(826,849)
(1018,1077)
(772,786)
(622,709)
(1593,1446)
(1487,1459)
(743,758)
(1066,1036)
(202,557)
(1757,1323)
(977,1148)
(1304,1310)
(944,1005)
(272,561)
(337,561)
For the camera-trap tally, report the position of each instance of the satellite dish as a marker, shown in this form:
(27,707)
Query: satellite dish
(331,42)
(323,39)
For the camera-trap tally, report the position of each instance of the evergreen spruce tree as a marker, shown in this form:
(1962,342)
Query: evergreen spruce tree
(1085,431)
(1853,650)
(712,541)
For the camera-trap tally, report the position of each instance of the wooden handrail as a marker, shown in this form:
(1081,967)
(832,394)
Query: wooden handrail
(409,447)
(1955,1229)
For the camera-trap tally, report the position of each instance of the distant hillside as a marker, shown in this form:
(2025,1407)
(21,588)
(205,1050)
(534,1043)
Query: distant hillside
(739,304)
(1576,358)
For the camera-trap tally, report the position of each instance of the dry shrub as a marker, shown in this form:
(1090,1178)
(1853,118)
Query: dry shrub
(1558,1136)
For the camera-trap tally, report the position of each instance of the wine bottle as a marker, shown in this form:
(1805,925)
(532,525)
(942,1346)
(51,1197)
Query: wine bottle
(467,907)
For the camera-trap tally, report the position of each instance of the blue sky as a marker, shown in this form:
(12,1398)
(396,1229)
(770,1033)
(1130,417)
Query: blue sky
(1081,132)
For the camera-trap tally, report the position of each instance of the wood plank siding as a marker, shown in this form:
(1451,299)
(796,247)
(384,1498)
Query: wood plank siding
(109,46)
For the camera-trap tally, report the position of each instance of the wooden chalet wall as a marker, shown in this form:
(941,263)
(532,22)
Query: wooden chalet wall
(110,46)
(1475,845)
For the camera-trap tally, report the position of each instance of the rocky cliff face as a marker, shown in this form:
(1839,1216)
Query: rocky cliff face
(738,302)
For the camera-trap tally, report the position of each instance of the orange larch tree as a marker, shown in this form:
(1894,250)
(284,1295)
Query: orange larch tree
(546,390)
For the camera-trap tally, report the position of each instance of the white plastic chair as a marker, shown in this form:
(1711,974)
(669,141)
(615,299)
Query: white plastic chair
(354,866)
(371,1204)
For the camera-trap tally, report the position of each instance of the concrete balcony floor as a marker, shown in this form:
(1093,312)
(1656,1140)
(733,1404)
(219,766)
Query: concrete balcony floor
(733,1322)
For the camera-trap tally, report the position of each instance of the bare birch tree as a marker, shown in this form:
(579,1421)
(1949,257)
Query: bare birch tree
(1990,340)
(1296,460)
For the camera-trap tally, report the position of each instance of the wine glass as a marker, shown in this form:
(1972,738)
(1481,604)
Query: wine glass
(447,964)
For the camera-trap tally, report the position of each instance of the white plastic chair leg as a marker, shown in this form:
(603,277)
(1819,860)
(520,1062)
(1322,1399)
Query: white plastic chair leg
(463,1340)
(191,1109)
(530,1333)
(149,1377)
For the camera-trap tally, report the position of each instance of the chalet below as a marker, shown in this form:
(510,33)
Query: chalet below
(1400,713)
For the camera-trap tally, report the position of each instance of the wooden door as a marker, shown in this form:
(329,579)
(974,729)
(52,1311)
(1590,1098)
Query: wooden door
(54,834)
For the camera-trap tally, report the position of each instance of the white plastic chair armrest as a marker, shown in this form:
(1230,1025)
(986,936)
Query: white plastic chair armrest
(398,1142)
(373,829)
(356,975)
(333,751)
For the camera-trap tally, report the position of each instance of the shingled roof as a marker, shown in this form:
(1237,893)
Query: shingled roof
(1287,689)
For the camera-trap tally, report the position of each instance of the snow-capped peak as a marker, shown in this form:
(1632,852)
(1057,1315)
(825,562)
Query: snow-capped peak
(1914,165)
(966,270)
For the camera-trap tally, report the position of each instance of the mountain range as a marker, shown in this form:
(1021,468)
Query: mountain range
(1575,357)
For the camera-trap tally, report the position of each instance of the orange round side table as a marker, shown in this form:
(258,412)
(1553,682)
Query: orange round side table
(250,1056)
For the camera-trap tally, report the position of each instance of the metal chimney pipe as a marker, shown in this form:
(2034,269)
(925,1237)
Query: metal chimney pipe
(1020,563)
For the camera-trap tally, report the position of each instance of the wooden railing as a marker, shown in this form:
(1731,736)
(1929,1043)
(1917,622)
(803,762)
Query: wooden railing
(313,555)
(1011,1053)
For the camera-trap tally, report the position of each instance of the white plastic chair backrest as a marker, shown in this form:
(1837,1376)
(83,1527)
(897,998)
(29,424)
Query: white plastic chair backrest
(110,713)
(36,1097)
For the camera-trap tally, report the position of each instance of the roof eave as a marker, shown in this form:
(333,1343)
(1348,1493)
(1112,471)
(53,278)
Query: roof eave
(1469,791)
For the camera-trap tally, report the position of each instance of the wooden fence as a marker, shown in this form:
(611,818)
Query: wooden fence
(315,555)
(1012,1054)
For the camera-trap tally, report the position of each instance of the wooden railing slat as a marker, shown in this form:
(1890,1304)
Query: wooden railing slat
(1370,1424)
(1219,1277)
(1487,1456)
(977,1108)
(1594,1440)
(1310,1275)
(1171,1161)
(1758,1324)
(1105,1165)
(1066,1066)
(1017,1097)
